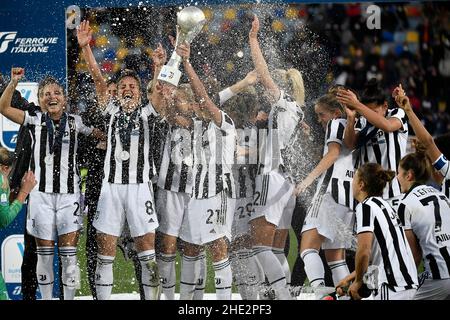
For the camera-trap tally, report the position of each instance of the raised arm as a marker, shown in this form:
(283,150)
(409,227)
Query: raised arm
(13,114)
(326,162)
(351,101)
(250,79)
(212,111)
(350,134)
(421,133)
(159,58)
(84,36)
(260,63)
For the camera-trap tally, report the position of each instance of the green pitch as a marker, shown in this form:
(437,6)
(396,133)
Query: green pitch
(125,279)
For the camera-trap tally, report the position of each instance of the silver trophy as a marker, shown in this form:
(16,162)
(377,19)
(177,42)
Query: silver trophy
(190,22)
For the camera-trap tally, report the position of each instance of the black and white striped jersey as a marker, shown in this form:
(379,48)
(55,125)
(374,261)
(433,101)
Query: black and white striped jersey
(390,248)
(443,166)
(175,172)
(137,166)
(384,148)
(284,121)
(159,134)
(337,180)
(57,171)
(426,211)
(245,166)
(214,151)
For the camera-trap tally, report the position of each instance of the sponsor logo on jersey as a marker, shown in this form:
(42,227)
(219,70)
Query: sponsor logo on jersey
(442,238)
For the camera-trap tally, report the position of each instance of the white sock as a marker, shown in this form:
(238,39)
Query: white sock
(104,277)
(256,276)
(201,278)
(260,287)
(188,276)
(313,267)
(44,271)
(339,269)
(223,279)
(246,273)
(69,271)
(273,270)
(238,271)
(166,265)
(279,253)
(150,274)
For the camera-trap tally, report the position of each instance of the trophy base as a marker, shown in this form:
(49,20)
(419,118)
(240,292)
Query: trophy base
(170,75)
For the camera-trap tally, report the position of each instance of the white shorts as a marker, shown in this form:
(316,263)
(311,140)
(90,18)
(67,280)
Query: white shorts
(332,220)
(274,199)
(242,213)
(171,208)
(434,290)
(384,293)
(208,219)
(133,203)
(53,214)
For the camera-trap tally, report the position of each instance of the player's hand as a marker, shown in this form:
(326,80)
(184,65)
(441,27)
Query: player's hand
(17,74)
(251,78)
(28,182)
(255,27)
(403,102)
(347,97)
(159,56)
(353,290)
(398,91)
(342,286)
(84,34)
(301,187)
(184,51)
(262,116)
(172,39)
(306,128)
(351,114)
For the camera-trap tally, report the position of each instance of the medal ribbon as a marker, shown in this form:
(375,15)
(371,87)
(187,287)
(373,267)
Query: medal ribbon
(53,141)
(126,123)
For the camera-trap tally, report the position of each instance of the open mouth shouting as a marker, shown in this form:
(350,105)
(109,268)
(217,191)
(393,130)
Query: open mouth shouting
(53,104)
(127,96)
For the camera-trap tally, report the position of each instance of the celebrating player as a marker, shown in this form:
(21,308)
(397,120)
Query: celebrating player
(379,136)
(274,200)
(210,210)
(331,213)
(54,205)
(381,241)
(126,194)
(425,214)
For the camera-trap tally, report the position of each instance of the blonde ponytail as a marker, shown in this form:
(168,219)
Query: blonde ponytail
(298,87)
(291,81)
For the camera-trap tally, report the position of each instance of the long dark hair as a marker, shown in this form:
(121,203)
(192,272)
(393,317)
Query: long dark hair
(419,164)
(373,93)
(375,178)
